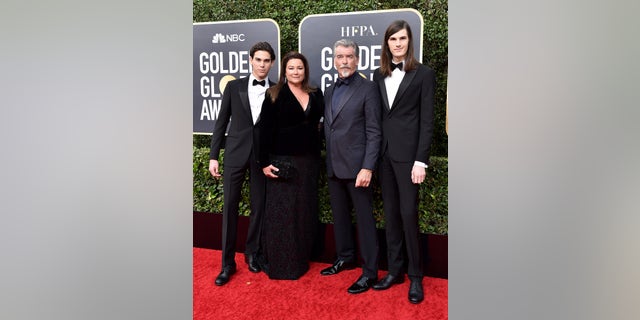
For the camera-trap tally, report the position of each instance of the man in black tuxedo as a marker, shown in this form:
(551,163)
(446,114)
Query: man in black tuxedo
(242,100)
(352,132)
(407,89)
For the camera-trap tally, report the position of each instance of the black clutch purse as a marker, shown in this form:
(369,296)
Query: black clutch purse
(286,170)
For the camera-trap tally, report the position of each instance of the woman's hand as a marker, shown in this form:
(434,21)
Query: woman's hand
(268,171)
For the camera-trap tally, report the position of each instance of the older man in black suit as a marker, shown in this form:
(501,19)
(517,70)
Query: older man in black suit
(242,100)
(352,131)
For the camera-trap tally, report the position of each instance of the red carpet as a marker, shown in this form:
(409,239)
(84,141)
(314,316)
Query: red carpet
(254,296)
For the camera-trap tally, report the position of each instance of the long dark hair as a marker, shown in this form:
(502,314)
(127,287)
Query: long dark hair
(385,60)
(275,90)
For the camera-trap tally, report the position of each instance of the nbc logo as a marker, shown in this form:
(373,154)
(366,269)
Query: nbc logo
(218,38)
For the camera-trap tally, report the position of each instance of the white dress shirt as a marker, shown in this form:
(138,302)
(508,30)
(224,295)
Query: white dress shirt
(256,97)
(393,83)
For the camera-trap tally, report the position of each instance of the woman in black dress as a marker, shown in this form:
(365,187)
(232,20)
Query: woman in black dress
(289,153)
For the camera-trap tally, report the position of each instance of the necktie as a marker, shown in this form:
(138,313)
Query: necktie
(256,82)
(394,66)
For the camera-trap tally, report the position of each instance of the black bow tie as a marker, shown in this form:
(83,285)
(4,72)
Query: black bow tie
(256,82)
(394,66)
(341,81)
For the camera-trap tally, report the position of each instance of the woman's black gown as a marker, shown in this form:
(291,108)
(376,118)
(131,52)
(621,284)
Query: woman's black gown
(291,221)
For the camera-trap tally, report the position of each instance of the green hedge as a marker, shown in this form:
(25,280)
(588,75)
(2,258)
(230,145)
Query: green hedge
(207,192)
(289,13)
(433,204)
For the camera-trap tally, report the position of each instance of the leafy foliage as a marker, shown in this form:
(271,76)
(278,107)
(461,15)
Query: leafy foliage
(432,206)
(433,203)
(207,191)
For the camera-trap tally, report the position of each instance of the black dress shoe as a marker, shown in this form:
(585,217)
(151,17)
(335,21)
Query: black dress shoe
(337,267)
(252,262)
(416,295)
(388,281)
(363,284)
(225,275)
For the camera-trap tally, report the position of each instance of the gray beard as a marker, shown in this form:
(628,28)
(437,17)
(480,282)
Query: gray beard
(345,74)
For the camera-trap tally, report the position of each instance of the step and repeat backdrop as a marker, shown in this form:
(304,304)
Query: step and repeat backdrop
(318,33)
(221,54)
(221,51)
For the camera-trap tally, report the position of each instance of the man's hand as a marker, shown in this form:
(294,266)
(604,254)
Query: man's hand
(418,174)
(364,178)
(214,168)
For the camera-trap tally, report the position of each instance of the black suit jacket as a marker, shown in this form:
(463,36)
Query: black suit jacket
(407,122)
(241,135)
(353,133)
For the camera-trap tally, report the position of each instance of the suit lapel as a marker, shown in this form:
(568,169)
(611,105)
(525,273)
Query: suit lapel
(351,89)
(404,84)
(383,93)
(244,95)
(329,95)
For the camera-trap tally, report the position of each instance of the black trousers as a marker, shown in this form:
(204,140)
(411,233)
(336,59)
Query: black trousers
(232,187)
(400,202)
(343,193)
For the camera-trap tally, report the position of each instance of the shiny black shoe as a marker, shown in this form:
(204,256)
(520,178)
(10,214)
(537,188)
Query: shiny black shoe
(416,295)
(252,262)
(363,284)
(388,281)
(225,275)
(338,266)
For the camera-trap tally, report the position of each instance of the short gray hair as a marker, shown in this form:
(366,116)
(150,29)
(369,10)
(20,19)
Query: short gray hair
(347,43)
